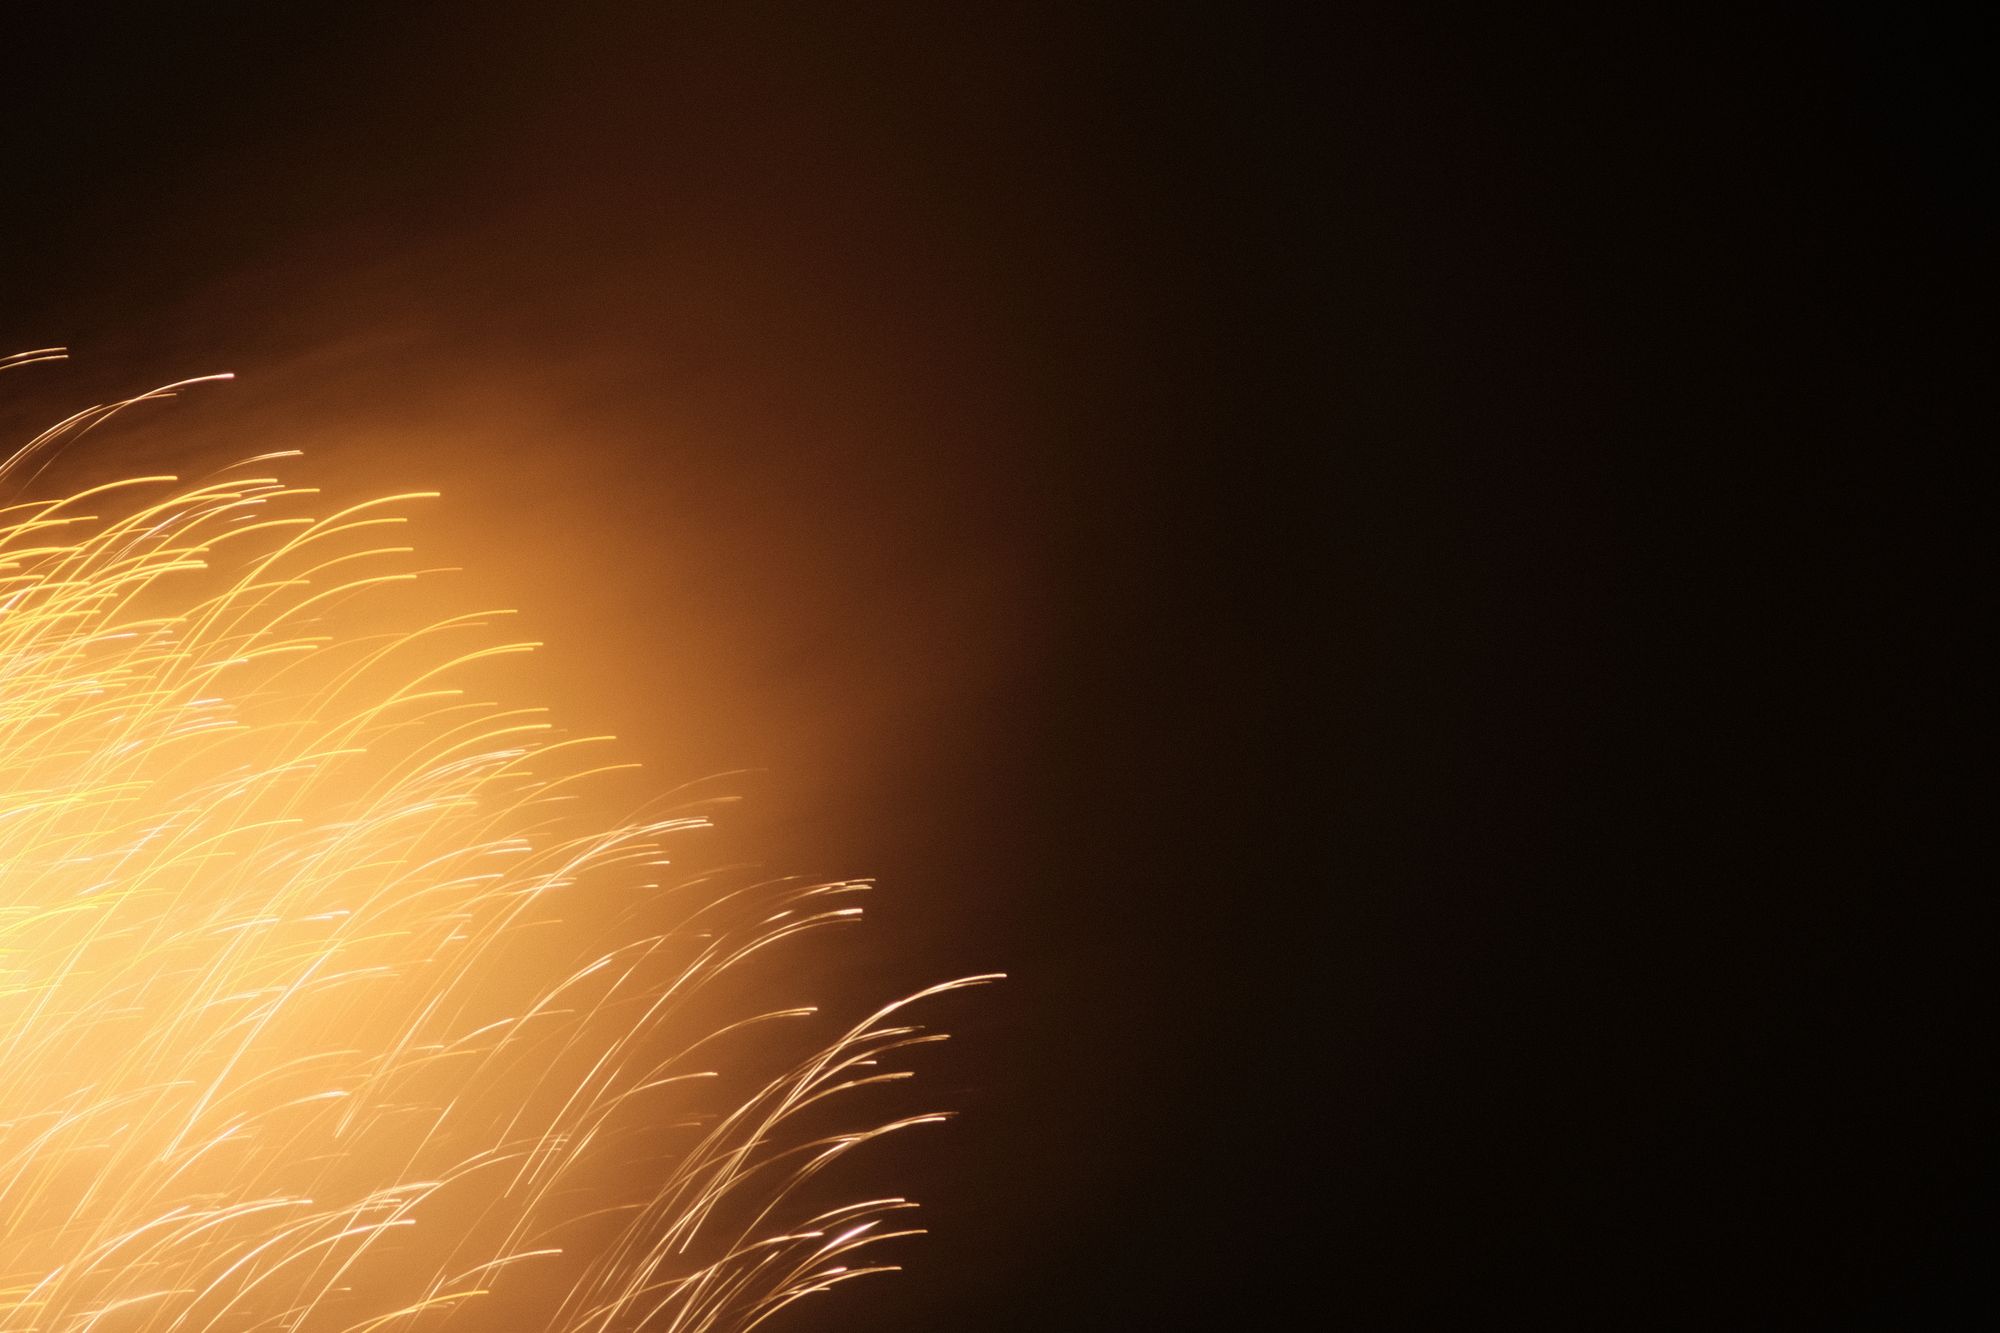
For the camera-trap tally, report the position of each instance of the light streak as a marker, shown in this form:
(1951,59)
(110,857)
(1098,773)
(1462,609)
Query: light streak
(324,1004)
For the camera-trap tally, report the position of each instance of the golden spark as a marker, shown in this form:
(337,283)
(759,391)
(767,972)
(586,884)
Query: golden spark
(325,1001)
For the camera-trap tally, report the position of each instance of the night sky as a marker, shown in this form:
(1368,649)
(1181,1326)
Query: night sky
(1367,565)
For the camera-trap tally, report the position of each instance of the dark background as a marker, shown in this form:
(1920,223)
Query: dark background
(1372,566)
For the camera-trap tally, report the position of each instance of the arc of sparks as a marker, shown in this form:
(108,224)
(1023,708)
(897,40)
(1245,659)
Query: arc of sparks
(325,1006)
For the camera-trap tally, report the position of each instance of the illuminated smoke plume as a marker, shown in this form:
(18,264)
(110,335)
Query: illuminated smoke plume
(329,997)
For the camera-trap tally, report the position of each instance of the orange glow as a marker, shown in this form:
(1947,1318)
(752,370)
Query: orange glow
(331,996)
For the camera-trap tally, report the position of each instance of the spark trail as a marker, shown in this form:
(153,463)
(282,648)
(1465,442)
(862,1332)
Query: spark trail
(327,1004)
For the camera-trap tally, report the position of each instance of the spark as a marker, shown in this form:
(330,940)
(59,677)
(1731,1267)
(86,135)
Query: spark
(324,1005)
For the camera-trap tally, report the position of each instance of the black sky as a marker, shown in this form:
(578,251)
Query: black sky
(1366,563)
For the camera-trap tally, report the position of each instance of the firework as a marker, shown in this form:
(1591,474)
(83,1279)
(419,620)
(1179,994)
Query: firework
(326,1002)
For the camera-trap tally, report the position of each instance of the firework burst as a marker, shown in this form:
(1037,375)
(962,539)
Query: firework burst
(326,1003)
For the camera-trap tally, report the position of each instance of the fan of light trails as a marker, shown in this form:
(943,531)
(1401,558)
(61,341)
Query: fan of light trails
(325,1001)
